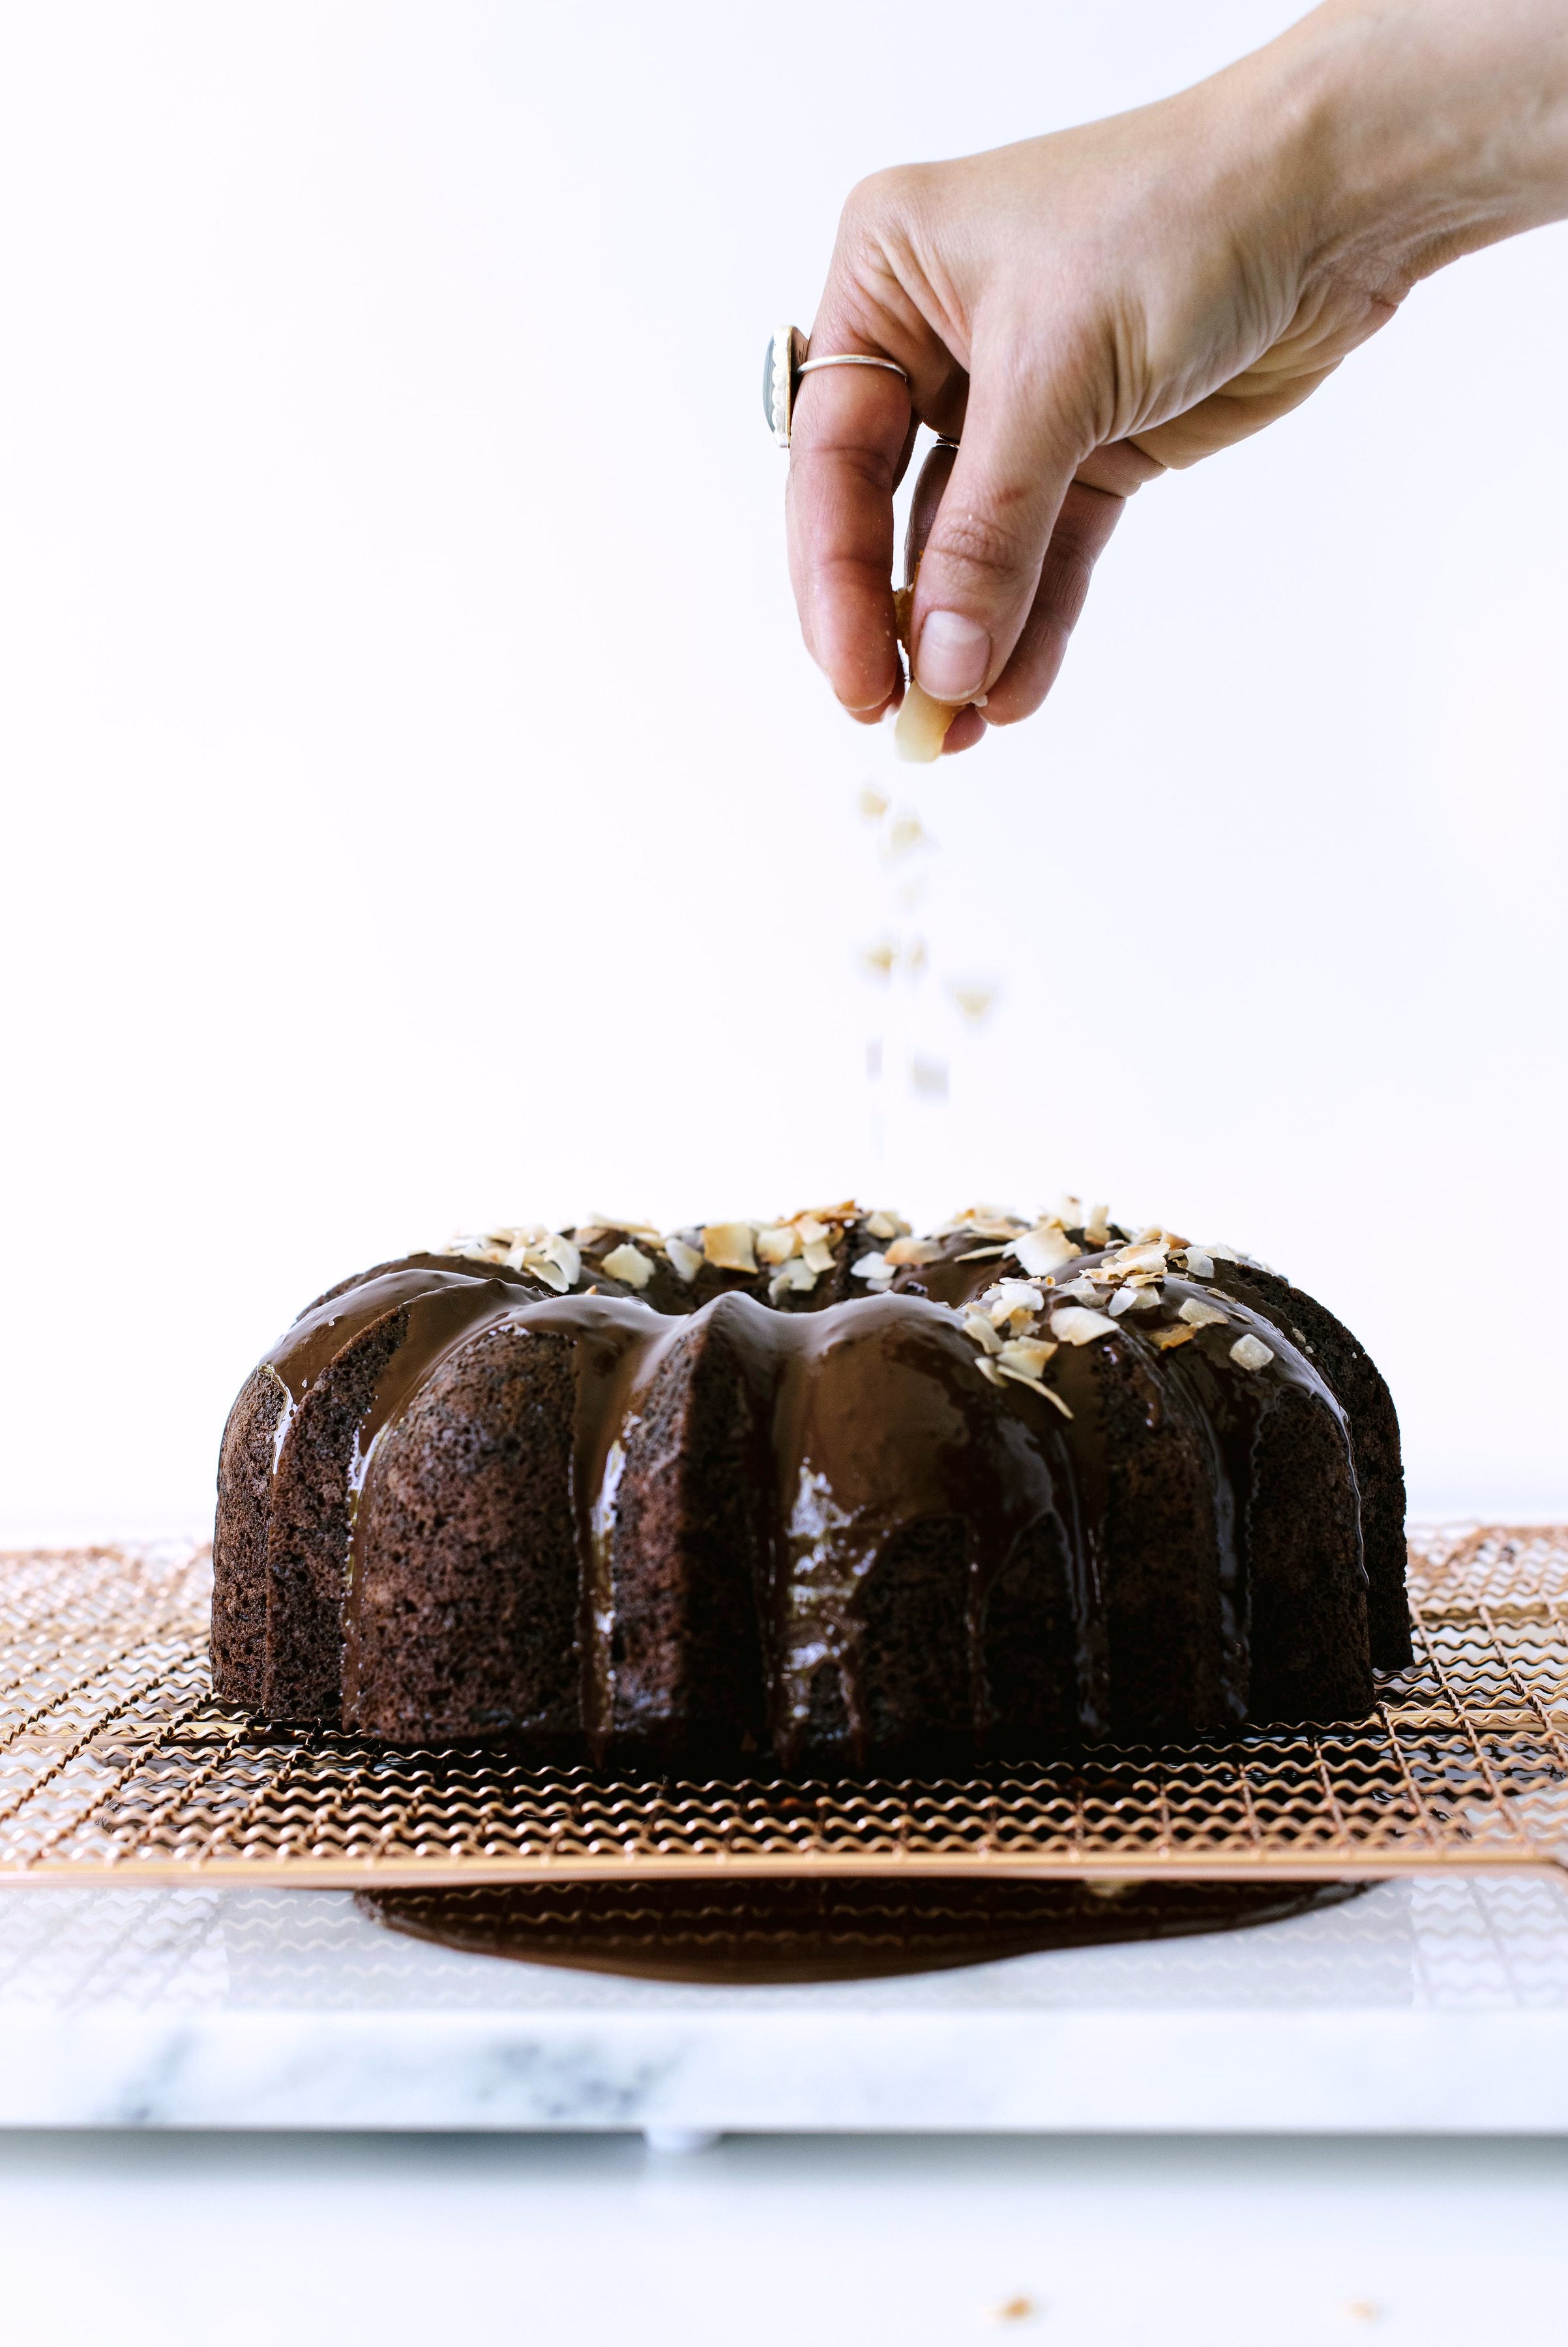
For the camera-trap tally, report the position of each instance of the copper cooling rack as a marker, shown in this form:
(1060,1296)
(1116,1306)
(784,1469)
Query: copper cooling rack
(116,1765)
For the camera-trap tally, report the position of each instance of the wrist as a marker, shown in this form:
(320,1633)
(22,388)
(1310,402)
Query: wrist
(1398,134)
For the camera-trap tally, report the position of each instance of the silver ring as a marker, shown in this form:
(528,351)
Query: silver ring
(783,366)
(854,358)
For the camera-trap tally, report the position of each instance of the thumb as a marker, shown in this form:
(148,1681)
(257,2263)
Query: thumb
(982,558)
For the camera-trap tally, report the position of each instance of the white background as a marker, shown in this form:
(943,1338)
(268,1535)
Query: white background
(418,808)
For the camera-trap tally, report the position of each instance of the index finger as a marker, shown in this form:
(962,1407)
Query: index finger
(850,431)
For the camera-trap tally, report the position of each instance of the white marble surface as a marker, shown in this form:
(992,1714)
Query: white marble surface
(1432,2006)
(507,2240)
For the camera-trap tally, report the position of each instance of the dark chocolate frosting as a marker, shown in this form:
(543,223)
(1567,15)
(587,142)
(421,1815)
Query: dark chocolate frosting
(842,1927)
(868,1417)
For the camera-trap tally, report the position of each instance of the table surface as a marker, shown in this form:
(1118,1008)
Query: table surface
(769,2241)
(233,2009)
(1439,2003)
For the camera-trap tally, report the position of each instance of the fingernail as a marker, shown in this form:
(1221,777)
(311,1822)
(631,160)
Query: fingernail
(953,656)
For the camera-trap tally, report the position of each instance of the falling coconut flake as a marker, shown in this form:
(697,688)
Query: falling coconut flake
(975,1002)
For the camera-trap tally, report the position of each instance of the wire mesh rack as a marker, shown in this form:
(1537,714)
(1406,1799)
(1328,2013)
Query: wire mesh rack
(117,1766)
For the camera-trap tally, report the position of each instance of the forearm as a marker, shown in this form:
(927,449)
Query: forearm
(1420,129)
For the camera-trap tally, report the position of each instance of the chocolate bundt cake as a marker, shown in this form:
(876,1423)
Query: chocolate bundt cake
(818,1495)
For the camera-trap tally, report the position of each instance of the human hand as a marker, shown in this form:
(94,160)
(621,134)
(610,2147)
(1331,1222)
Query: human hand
(1087,308)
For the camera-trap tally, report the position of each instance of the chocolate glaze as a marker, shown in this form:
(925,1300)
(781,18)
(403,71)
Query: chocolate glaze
(815,1929)
(866,1419)
(301,1358)
(1222,1404)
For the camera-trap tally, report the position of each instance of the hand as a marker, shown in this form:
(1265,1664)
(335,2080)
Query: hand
(1088,309)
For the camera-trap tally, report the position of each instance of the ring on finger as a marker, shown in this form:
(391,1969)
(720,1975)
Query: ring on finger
(786,363)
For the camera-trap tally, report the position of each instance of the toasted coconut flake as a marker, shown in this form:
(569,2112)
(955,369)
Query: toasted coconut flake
(1220,1254)
(981,1223)
(1074,1325)
(777,1244)
(1141,1296)
(794,1277)
(914,1251)
(730,1246)
(1027,1355)
(629,1226)
(1083,1289)
(979,1329)
(921,726)
(1129,1262)
(811,1228)
(1051,1395)
(1200,1265)
(979,1254)
(1044,1249)
(1199,1313)
(1249,1352)
(543,1253)
(872,805)
(685,1261)
(564,1255)
(629,1263)
(974,1003)
(818,1256)
(872,1266)
(551,1273)
(987,1368)
(1013,1300)
(1182,1333)
(885,1224)
(473,1244)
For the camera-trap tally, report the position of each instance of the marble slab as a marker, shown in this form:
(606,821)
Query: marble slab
(1434,2005)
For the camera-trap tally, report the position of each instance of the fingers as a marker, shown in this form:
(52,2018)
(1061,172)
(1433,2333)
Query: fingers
(929,488)
(850,443)
(966,728)
(1082,528)
(1089,514)
(987,541)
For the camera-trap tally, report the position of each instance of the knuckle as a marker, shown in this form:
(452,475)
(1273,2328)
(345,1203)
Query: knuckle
(981,547)
(883,196)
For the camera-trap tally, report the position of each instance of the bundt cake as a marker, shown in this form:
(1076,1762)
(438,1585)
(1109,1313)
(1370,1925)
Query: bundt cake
(817,1496)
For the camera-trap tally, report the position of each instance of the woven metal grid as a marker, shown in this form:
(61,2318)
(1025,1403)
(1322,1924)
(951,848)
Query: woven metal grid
(116,1765)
